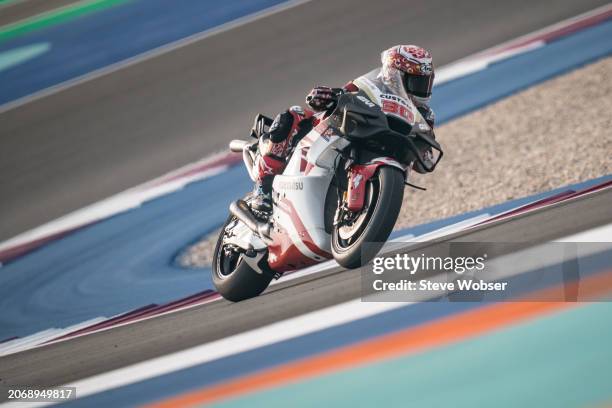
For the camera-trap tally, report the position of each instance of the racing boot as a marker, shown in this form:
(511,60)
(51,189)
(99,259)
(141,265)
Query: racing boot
(262,195)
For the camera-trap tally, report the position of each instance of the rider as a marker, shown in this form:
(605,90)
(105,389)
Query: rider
(409,64)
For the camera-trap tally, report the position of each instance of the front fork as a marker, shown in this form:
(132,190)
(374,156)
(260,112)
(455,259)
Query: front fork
(353,198)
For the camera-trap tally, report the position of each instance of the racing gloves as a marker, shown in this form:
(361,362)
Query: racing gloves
(321,98)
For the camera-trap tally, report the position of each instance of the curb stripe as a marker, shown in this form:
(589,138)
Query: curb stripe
(584,20)
(556,31)
(421,338)
(29,241)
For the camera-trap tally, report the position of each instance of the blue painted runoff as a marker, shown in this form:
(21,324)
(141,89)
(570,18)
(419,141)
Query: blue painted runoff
(100,39)
(125,262)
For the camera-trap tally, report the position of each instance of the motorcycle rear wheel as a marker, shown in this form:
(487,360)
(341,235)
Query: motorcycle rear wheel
(384,197)
(233,278)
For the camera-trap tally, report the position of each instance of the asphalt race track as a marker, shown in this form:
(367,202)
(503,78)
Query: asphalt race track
(85,143)
(82,144)
(14,12)
(103,351)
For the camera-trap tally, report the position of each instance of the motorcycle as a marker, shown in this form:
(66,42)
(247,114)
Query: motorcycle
(343,187)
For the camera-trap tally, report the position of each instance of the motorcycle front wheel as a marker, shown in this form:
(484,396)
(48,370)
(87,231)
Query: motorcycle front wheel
(372,227)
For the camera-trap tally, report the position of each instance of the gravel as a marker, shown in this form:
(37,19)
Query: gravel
(199,255)
(556,133)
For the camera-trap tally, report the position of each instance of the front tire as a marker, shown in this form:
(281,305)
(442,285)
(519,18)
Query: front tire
(385,193)
(233,278)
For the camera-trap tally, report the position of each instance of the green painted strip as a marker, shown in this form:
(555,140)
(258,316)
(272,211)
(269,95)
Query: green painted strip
(561,360)
(55,17)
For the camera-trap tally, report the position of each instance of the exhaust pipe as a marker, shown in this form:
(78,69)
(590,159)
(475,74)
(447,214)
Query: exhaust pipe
(241,210)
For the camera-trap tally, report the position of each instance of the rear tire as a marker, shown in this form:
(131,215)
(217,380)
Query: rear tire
(388,185)
(233,278)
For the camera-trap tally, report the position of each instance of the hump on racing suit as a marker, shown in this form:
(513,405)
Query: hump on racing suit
(385,88)
(389,93)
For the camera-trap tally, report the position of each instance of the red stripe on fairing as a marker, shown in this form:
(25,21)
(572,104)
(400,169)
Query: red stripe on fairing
(321,127)
(301,229)
(309,167)
(307,141)
(303,161)
(284,254)
(305,165)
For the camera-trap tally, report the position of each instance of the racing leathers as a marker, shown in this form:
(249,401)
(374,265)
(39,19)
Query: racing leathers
(274,149)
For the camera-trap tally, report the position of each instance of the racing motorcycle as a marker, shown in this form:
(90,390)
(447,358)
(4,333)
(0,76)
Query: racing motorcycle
(338,197)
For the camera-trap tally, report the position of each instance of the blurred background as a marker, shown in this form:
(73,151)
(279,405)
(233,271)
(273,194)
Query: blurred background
(125,123)
(115,117)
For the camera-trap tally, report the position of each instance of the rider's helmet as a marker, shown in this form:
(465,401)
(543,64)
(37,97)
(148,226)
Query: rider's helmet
(412,67)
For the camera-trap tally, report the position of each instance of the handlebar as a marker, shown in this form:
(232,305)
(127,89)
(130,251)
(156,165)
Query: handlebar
(237,146)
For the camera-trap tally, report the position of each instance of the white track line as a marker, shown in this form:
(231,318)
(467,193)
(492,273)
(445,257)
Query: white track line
(155,52)
(465,67)
(122,201)
(248,19)
(29,342)
(523,261)
(312,270)
(508,213)
(78,326)
(10,3)
(44,13)
(482,59)
(136,196)
(599,234)
(131,198)
(535,35)
(270,334)
(126,200)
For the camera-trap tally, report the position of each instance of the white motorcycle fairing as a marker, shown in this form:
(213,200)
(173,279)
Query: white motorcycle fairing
(299,195)
(298,236)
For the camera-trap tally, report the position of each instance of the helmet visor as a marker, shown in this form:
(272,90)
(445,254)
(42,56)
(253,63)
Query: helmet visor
(418,85)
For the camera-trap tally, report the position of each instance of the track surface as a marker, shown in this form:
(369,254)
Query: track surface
(83,144)
(82,357)
(14,12)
